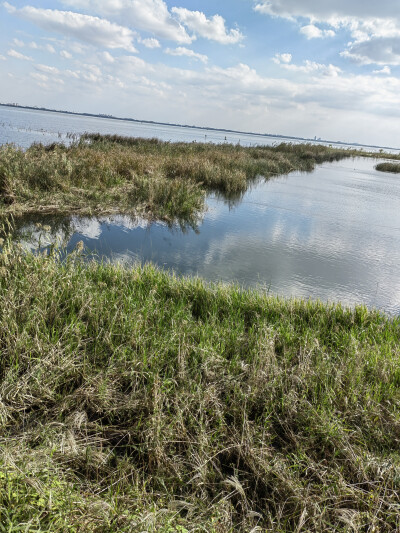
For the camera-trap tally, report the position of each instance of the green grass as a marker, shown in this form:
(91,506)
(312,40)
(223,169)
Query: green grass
(111,174)
(389,167)
(131,401)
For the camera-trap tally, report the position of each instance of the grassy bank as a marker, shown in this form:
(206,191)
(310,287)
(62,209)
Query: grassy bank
(111,174)
(134,401)
(389,167)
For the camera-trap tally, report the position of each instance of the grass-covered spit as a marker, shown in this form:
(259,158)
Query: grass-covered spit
(134,401)
(109,174)
(389,167)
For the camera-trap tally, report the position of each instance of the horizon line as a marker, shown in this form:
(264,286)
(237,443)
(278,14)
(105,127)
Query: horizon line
(172,124)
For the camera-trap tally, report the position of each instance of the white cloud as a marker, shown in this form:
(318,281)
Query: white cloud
(311,66)
(285,61)
(154,16)
(313,32)
(91,73)
(149,15)
(183,51)
(108,57)
(77,48)
(65,54)
(39,77)
(384,70)
(3,58)
(150,42)
(9,7)
(47,69)
(245,80)
(47,47)
(52,82)
(72,74)
(93,30)
(329,10)
(213,28)
(48,77)
(373,26)
(375,51)
(18,43)
(17,55)
(66,45)
(282,58)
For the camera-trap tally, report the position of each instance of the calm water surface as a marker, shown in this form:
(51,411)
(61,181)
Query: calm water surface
(25,126)
(333,234)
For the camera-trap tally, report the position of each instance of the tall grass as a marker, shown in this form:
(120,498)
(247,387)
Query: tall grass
(389,167)
(109,174)
(131,401)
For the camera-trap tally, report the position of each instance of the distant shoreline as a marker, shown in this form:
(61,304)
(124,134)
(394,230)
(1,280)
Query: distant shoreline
(128,119)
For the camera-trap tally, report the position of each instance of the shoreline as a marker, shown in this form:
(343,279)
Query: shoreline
(132,398)
(102,174)
(204,128)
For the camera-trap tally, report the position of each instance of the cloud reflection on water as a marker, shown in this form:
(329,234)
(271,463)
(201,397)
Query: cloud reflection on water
(333,234)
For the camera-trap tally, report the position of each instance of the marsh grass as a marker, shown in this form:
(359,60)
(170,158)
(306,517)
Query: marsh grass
(111,174)
(131,401)
(389,167)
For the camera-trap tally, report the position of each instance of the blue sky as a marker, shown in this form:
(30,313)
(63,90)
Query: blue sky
(295,67)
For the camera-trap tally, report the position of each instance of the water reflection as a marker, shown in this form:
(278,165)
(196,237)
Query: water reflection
(333,234)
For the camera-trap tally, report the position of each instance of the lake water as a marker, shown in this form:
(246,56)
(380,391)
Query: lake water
(333,234)
(24,127)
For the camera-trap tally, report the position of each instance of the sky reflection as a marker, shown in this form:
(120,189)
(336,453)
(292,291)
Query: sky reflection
(333,234)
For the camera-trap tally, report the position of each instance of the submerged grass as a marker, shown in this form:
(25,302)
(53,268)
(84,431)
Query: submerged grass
(134,401)
(108,174)
(389,167)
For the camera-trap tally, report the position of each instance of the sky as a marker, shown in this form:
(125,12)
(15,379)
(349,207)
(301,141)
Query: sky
(327,69)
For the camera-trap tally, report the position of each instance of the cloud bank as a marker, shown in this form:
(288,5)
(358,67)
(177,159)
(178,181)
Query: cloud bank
(373,26)
(89,29)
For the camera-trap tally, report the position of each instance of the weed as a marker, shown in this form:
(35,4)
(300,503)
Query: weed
(110,174)
(389,167)
(131,400)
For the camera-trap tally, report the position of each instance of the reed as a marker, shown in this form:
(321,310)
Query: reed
(388,167)
(110,174)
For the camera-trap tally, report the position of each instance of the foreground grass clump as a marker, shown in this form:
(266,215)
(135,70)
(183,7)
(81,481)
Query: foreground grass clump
(108,174)
(134,401)
(389,167)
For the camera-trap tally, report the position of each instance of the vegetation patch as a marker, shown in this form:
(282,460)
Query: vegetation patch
(112,174)
(131,400)
(389,167)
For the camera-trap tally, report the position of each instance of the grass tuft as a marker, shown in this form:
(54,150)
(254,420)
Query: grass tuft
(389,167)
(131,400)
(103,174)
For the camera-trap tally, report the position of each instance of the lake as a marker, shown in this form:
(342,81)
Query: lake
(25,126)
(332,234)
